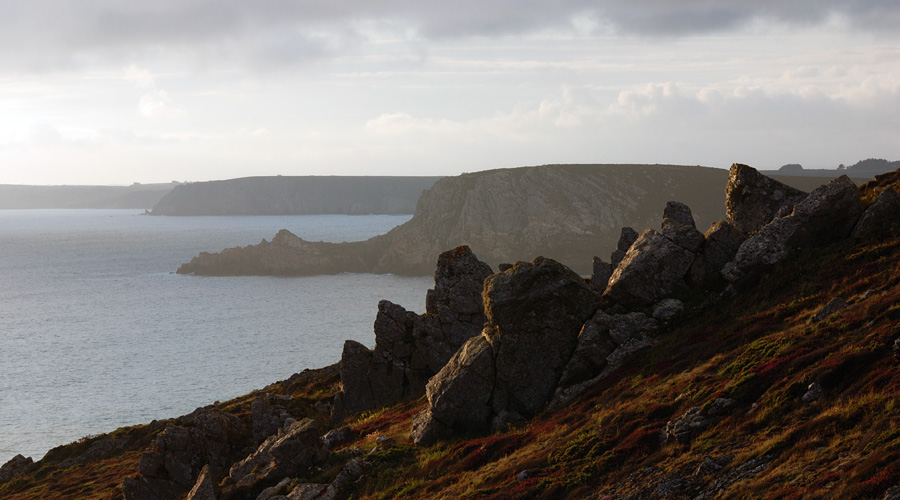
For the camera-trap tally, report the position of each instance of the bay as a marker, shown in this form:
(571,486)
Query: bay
(97,332)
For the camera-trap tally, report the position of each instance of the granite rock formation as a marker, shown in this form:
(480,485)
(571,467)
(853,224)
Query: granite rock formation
(752,199)
(410,348)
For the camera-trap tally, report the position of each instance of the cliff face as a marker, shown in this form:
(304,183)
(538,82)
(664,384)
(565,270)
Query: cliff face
(307,195)
(568,213)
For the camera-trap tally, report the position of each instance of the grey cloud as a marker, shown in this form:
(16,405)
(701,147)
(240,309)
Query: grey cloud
(59,33)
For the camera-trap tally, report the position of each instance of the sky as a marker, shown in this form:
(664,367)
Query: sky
(124,91)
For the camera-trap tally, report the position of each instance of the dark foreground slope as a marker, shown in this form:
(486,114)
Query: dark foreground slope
(566,212)
(142,196)
(296,195)
(771,402)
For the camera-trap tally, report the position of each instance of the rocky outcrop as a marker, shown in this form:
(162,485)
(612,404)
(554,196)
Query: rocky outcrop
(627,238)
(296,195)
(170,467)
(881,214)
(834,305)
(827,214)
(752,199)
(410,348)
(205,488)
(722,242)
(535,311)
(678,226)
(15,467)
(654,267)
(290,452)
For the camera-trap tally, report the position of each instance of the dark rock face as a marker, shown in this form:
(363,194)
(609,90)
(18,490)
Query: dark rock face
(268,416)
(600,275)
(722,243)
(626,239)
(535,311)
(291,452)
(678,226)
(169,468)
(602,340)
(653,268)
(884,212)
(752,199)
(827,214)
(410,348)
(15,467)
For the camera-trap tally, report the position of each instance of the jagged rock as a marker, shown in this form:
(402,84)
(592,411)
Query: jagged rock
(896,346)
(834,305)
(349,474)
(653,268)
(535,311)
(830,212)
(274,491)
(712,465)
(626,239)
(813,392)
(719,407)
(268,415)
(170,466)
(101,448)
(667,309)
(600,275)
(752,200)
(892,493)
(605,344)
(410,348)
(291,452)
(722,241)
(678,225)
(205,487)
(459,396)
(881,214)
(15,467)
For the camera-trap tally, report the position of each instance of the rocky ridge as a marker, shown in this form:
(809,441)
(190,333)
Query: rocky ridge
(541,338)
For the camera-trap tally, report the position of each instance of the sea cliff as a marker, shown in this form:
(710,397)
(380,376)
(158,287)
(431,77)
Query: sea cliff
(568,213)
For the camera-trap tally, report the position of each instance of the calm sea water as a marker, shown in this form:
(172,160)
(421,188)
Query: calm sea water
(97,332)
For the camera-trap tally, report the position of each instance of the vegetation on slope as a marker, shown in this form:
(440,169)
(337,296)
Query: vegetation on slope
(755,346)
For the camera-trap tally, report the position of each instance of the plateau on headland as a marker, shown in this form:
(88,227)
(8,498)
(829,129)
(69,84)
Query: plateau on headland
(142,196)
(755,360)
(296,195)
(565,212)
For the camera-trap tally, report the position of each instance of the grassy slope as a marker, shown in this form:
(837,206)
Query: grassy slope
(755,347)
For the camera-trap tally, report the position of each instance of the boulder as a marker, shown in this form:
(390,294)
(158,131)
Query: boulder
(667,309)
(752,200)
(170,466)
(653,268)
(307,491)
(881,214)
(535,311)
(722,241)
(290,452)
(829,213)
(678,225)
(626,239)
(411,348)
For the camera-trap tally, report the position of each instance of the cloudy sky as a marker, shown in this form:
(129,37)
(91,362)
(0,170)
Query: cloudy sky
(115,92)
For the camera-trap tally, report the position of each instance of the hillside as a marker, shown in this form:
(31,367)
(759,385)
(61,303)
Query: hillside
(142,196)
(566,212)
(296,195)
(864,168)
(753,390)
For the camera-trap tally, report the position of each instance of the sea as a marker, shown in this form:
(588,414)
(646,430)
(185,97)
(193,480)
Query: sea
(98,332)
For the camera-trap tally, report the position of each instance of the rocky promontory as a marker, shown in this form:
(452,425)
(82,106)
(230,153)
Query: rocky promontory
(565,212)
(296,195)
